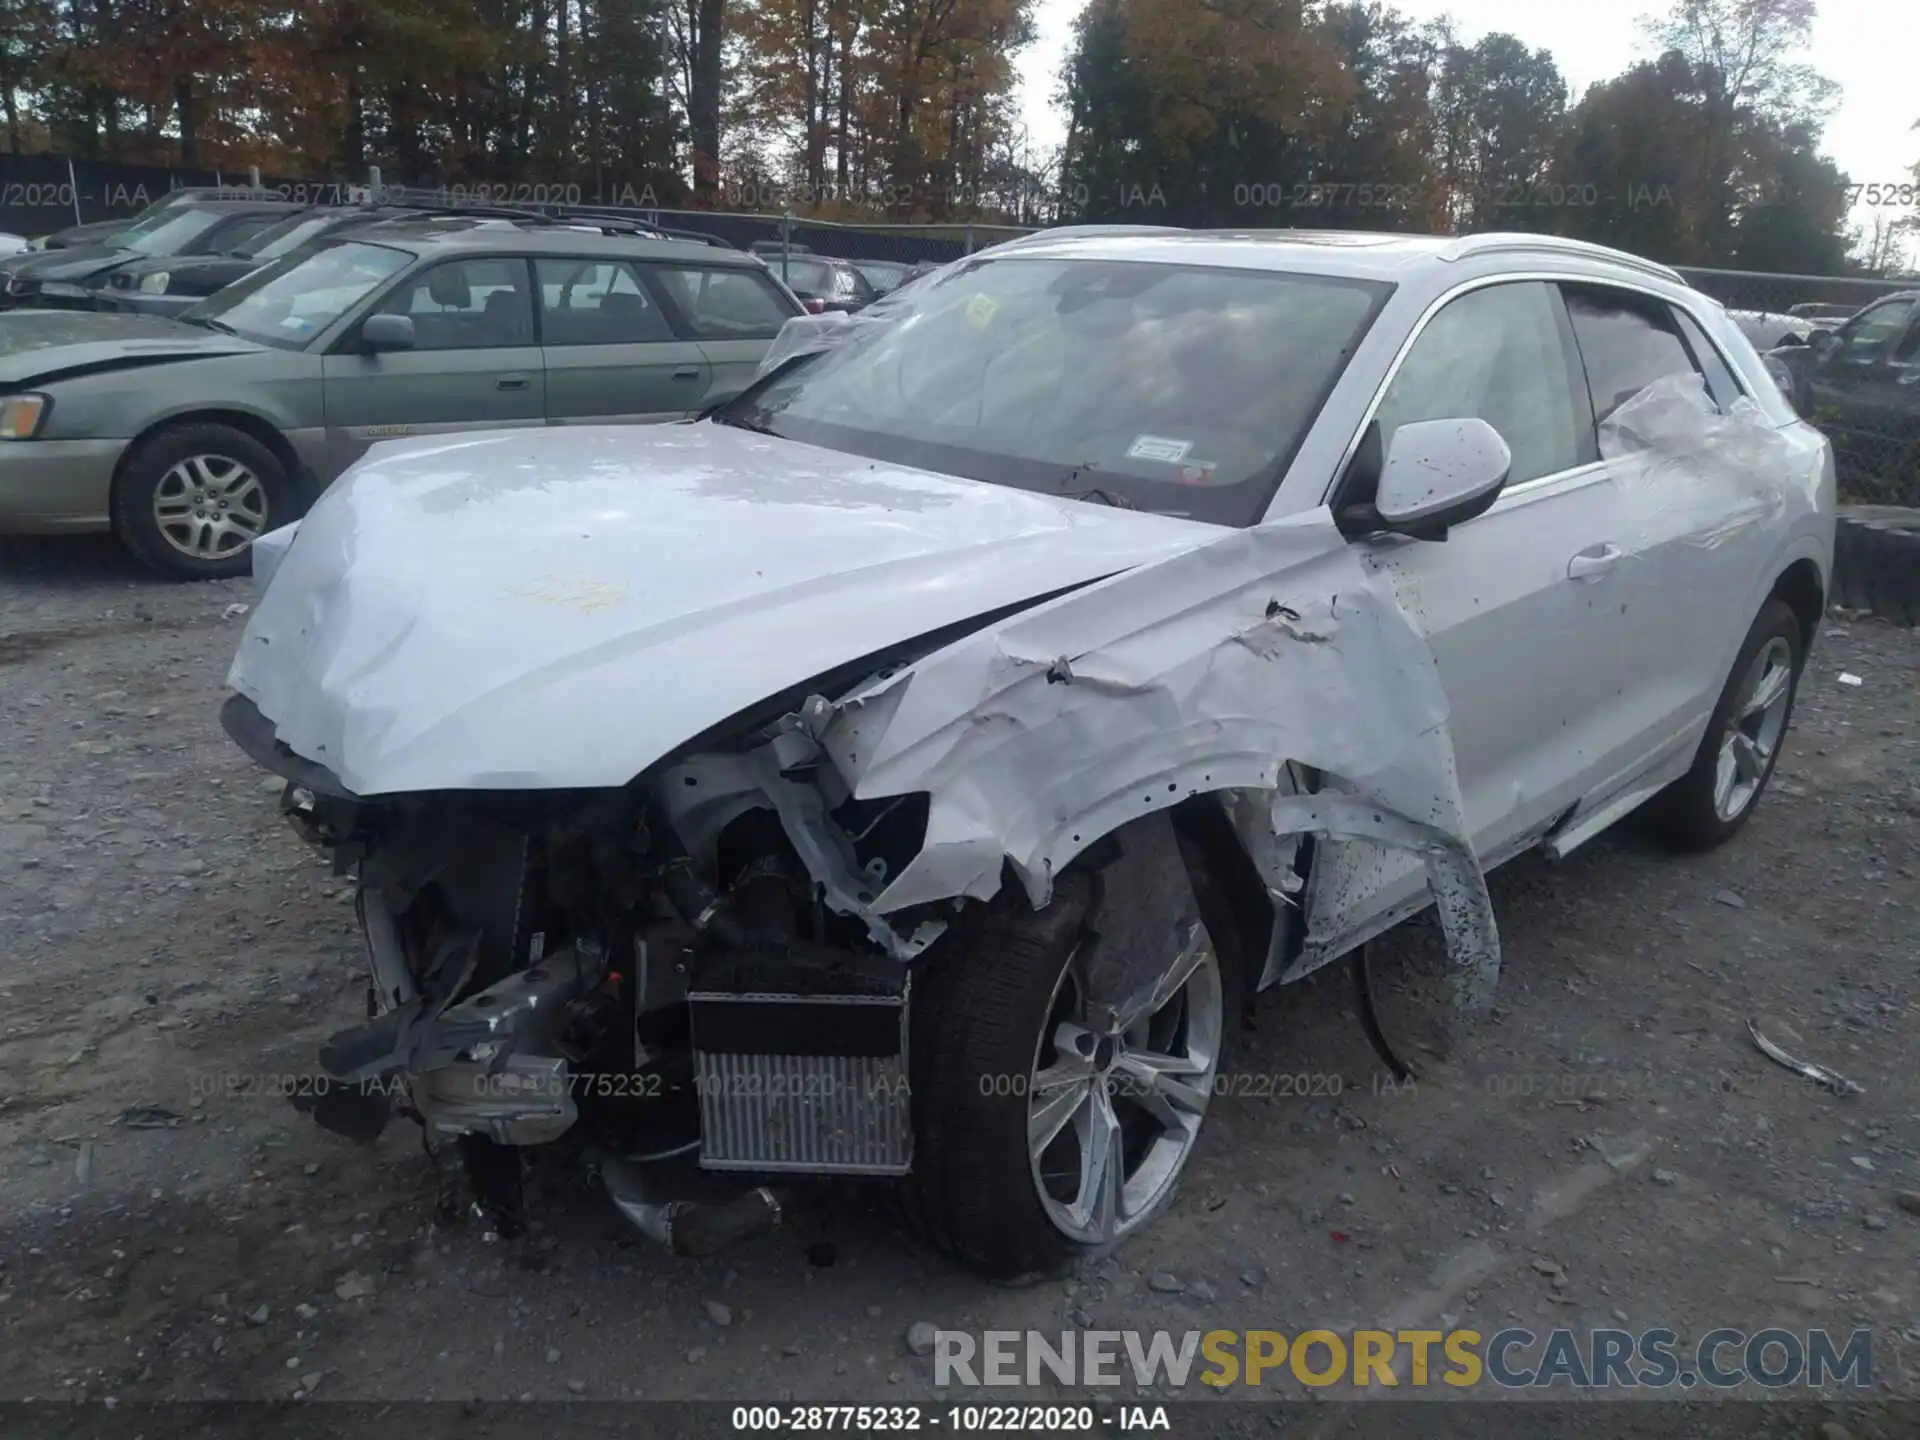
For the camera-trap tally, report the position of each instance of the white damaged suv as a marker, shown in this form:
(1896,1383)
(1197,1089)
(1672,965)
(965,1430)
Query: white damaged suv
(910,769)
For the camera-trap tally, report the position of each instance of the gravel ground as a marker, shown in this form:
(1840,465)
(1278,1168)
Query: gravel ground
(1608,1149)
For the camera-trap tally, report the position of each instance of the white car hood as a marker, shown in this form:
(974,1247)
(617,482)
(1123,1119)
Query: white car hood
(542,609)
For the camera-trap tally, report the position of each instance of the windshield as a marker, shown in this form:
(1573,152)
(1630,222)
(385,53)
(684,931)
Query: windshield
(1173,389)
(284,238)
(169,231)
(293,300)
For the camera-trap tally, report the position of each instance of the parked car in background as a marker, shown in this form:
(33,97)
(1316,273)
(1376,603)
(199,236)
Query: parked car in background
(170,286)
(1766,329)
(93,232)
(906,770)
(74,278)
(11,244)
(1860,384)
(885,276)
(1822,312)
(824,283)
(188,437)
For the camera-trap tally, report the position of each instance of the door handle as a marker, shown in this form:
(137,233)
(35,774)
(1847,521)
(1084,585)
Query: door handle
(511,382)
(687,372)
(1592,563)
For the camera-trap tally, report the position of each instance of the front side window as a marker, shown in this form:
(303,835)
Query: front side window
(1496,355)
(1874,330)
(597,302)
(1627,341)
(291,301)
(466,305)
(726,303)
(1169,388)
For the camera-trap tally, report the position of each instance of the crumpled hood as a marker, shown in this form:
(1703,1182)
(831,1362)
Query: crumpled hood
(548,609)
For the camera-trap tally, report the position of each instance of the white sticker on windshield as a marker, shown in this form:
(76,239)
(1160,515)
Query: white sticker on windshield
(980,310)
(1159,447)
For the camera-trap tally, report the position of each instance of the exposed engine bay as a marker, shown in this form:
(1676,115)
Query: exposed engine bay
(653,969)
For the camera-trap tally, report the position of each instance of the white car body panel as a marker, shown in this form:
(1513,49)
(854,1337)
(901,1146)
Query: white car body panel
(559,609)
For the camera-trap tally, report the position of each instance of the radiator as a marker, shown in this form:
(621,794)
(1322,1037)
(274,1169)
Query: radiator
(805,1083)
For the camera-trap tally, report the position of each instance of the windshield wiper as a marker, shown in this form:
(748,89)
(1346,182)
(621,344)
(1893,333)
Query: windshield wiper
(220,325)
(739,421)
(1105,497)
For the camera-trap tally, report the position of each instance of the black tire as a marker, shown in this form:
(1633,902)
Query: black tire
(147,468)
(979,1003)
(1686,813)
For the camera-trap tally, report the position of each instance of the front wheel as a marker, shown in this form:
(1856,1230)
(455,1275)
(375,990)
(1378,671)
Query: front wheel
(1709,804)
(1051,1124)
(191,500)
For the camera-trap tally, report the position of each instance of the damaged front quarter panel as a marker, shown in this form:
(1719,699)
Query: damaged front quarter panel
(1212,671)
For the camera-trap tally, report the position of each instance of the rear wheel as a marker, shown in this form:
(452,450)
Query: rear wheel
(191,500)
(1047,1126)
(1710,803)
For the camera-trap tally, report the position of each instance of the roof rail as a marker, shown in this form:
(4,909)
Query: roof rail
(1089,231)
(1557,245)
(627,219)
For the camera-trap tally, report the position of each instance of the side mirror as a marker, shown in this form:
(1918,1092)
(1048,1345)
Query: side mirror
(380,333)
(1439,473)
(1822,339)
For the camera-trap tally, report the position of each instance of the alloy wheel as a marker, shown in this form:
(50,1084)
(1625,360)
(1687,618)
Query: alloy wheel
(1753,733)
(209,506)
(1114,1111)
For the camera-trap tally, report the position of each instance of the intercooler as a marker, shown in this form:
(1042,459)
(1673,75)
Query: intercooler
(811,1077)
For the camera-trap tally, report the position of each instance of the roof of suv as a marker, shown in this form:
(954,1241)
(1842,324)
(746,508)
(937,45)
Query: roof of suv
(488,234)
(230,205)
(1369,253)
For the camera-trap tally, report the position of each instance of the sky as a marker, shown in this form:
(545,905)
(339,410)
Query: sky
(1870,135)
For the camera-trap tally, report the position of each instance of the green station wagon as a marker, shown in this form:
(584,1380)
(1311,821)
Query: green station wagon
(189,437)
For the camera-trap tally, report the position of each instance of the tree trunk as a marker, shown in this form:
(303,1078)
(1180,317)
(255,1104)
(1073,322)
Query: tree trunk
(563,151)
(703,98)
(844,84)
(186,106)
(816,112)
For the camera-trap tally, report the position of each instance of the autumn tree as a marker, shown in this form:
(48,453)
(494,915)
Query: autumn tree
(1747,80)
(1499,111)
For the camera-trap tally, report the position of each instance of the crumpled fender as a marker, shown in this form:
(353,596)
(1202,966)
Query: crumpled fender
(1209,671)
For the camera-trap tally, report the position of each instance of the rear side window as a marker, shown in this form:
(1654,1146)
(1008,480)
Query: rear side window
(1721,382)
(597,302)
(1627,341)
(726,302)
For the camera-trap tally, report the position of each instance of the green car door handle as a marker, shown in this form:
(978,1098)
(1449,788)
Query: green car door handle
(687,372)
(511,382)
